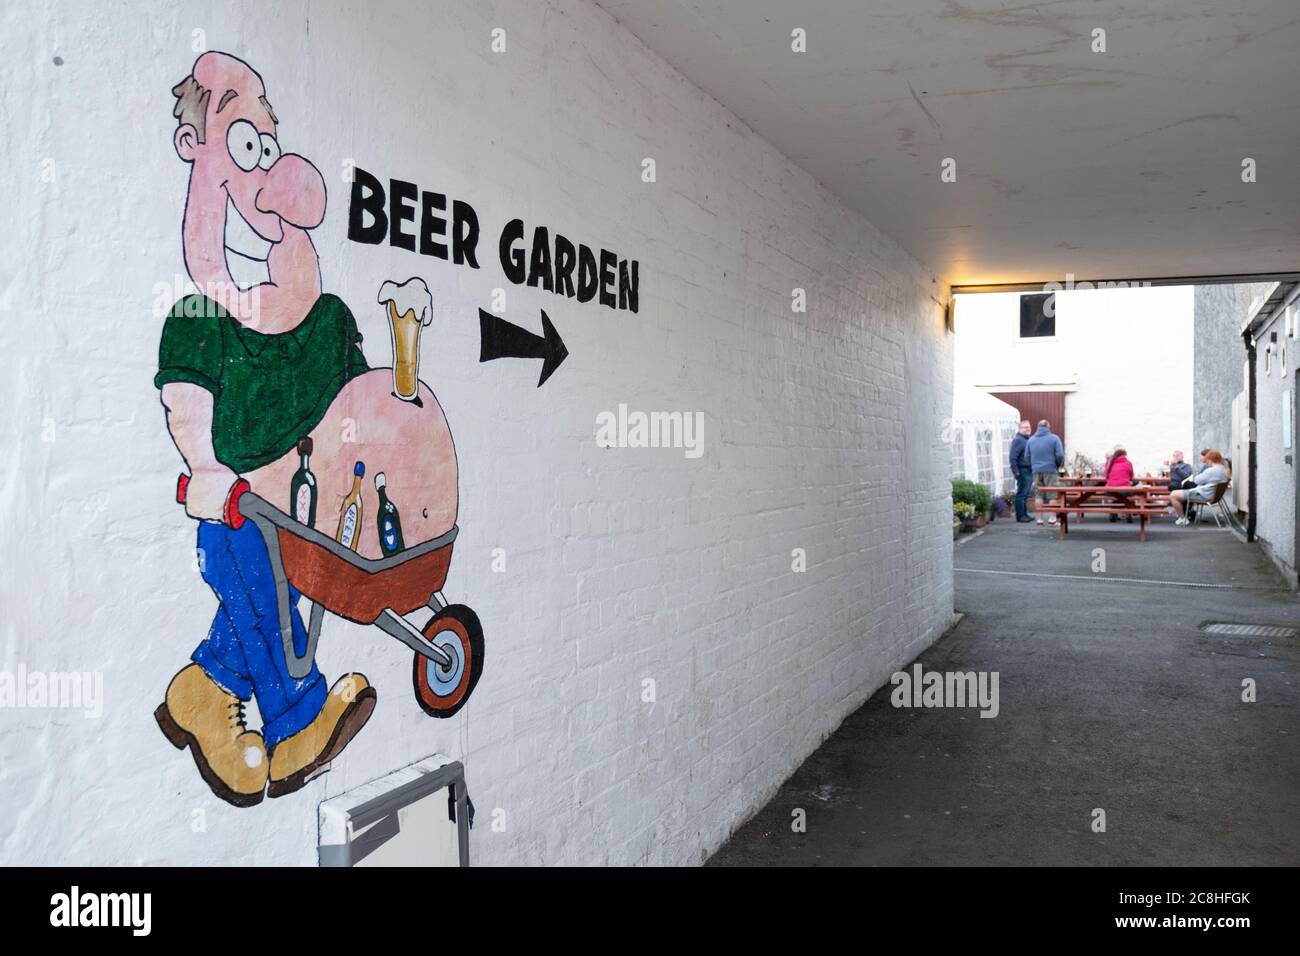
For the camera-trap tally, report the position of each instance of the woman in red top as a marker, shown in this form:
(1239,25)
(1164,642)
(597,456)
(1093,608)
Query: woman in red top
(1119,474)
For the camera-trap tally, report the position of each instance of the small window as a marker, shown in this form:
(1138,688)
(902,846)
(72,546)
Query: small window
(958,453)
(1038,316)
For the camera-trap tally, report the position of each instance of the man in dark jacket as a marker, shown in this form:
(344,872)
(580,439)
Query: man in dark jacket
(1021,470)
(1179,471)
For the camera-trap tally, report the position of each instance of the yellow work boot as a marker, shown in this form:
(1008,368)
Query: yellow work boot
(199,714)
(306,754)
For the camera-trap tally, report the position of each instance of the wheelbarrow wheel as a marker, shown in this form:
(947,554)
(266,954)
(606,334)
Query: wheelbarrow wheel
(441,691)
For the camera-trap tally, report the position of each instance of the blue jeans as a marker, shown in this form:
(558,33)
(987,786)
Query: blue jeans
(243,651)
(1024,483)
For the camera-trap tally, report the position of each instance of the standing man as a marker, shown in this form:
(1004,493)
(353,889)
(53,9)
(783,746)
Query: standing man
(1046,456)
(1021,470)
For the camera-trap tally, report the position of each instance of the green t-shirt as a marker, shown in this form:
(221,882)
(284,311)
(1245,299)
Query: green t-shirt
(268,391)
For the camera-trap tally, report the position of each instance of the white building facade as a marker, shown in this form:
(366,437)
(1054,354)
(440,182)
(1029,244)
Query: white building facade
(1273,328)
(1117,362)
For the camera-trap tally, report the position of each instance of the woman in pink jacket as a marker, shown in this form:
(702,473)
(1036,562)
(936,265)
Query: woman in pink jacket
(1119,474)
(1119,470)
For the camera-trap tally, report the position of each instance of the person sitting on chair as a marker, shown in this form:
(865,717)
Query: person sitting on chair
(1189,482)
(1202,489)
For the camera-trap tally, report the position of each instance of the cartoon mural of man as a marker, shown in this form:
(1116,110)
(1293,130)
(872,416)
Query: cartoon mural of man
(245,370)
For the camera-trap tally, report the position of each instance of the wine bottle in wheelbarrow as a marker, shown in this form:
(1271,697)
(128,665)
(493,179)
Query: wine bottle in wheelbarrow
(350,512)
(390,524)
(302,490)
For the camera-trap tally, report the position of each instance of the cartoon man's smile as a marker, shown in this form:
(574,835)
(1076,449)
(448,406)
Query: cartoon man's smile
(246,250)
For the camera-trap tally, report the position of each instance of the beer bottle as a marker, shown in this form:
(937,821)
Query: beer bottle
(390,525)
(302,491)
(350,511)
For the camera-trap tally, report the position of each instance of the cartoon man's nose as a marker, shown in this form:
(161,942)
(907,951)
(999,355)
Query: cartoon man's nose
(295,191)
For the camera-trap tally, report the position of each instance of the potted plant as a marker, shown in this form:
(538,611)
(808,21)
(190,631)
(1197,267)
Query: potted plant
(964,511)
(976,496)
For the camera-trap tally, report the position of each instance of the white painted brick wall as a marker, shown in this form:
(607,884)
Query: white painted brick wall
(822,432)
(1275,479)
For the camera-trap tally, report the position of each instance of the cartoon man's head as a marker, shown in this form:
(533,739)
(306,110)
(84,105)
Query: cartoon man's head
(249,206)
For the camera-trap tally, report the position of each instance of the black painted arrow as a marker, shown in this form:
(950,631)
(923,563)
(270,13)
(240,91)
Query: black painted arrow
(501,339)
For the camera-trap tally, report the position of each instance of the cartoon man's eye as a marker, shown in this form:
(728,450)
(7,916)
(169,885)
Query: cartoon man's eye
(244,144)
(270,151)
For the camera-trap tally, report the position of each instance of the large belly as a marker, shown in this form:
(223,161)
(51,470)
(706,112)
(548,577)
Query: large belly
(409,443)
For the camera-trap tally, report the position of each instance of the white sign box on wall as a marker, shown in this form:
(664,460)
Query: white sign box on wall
(416,816)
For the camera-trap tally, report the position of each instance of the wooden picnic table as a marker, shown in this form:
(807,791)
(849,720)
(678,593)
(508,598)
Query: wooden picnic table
(1161,484)
(1141,501)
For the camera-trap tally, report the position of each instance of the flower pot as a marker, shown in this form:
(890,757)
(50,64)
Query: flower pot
(981,521)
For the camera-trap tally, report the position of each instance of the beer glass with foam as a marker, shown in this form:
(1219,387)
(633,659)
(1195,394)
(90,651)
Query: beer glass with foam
(410,309)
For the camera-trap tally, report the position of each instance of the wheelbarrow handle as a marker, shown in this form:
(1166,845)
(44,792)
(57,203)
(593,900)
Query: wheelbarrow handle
(230,514)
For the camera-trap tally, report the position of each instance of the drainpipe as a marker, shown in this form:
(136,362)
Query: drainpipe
(1250,437)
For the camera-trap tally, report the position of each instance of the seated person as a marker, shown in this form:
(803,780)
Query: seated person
(1203,484)
(1119,474)
(1201,465)
(1119,470)
(1179,470)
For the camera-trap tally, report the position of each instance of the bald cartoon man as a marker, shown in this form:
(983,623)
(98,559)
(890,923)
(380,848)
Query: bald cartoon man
(246,368)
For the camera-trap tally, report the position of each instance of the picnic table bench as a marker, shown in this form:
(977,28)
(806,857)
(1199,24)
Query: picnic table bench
(1141,501)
